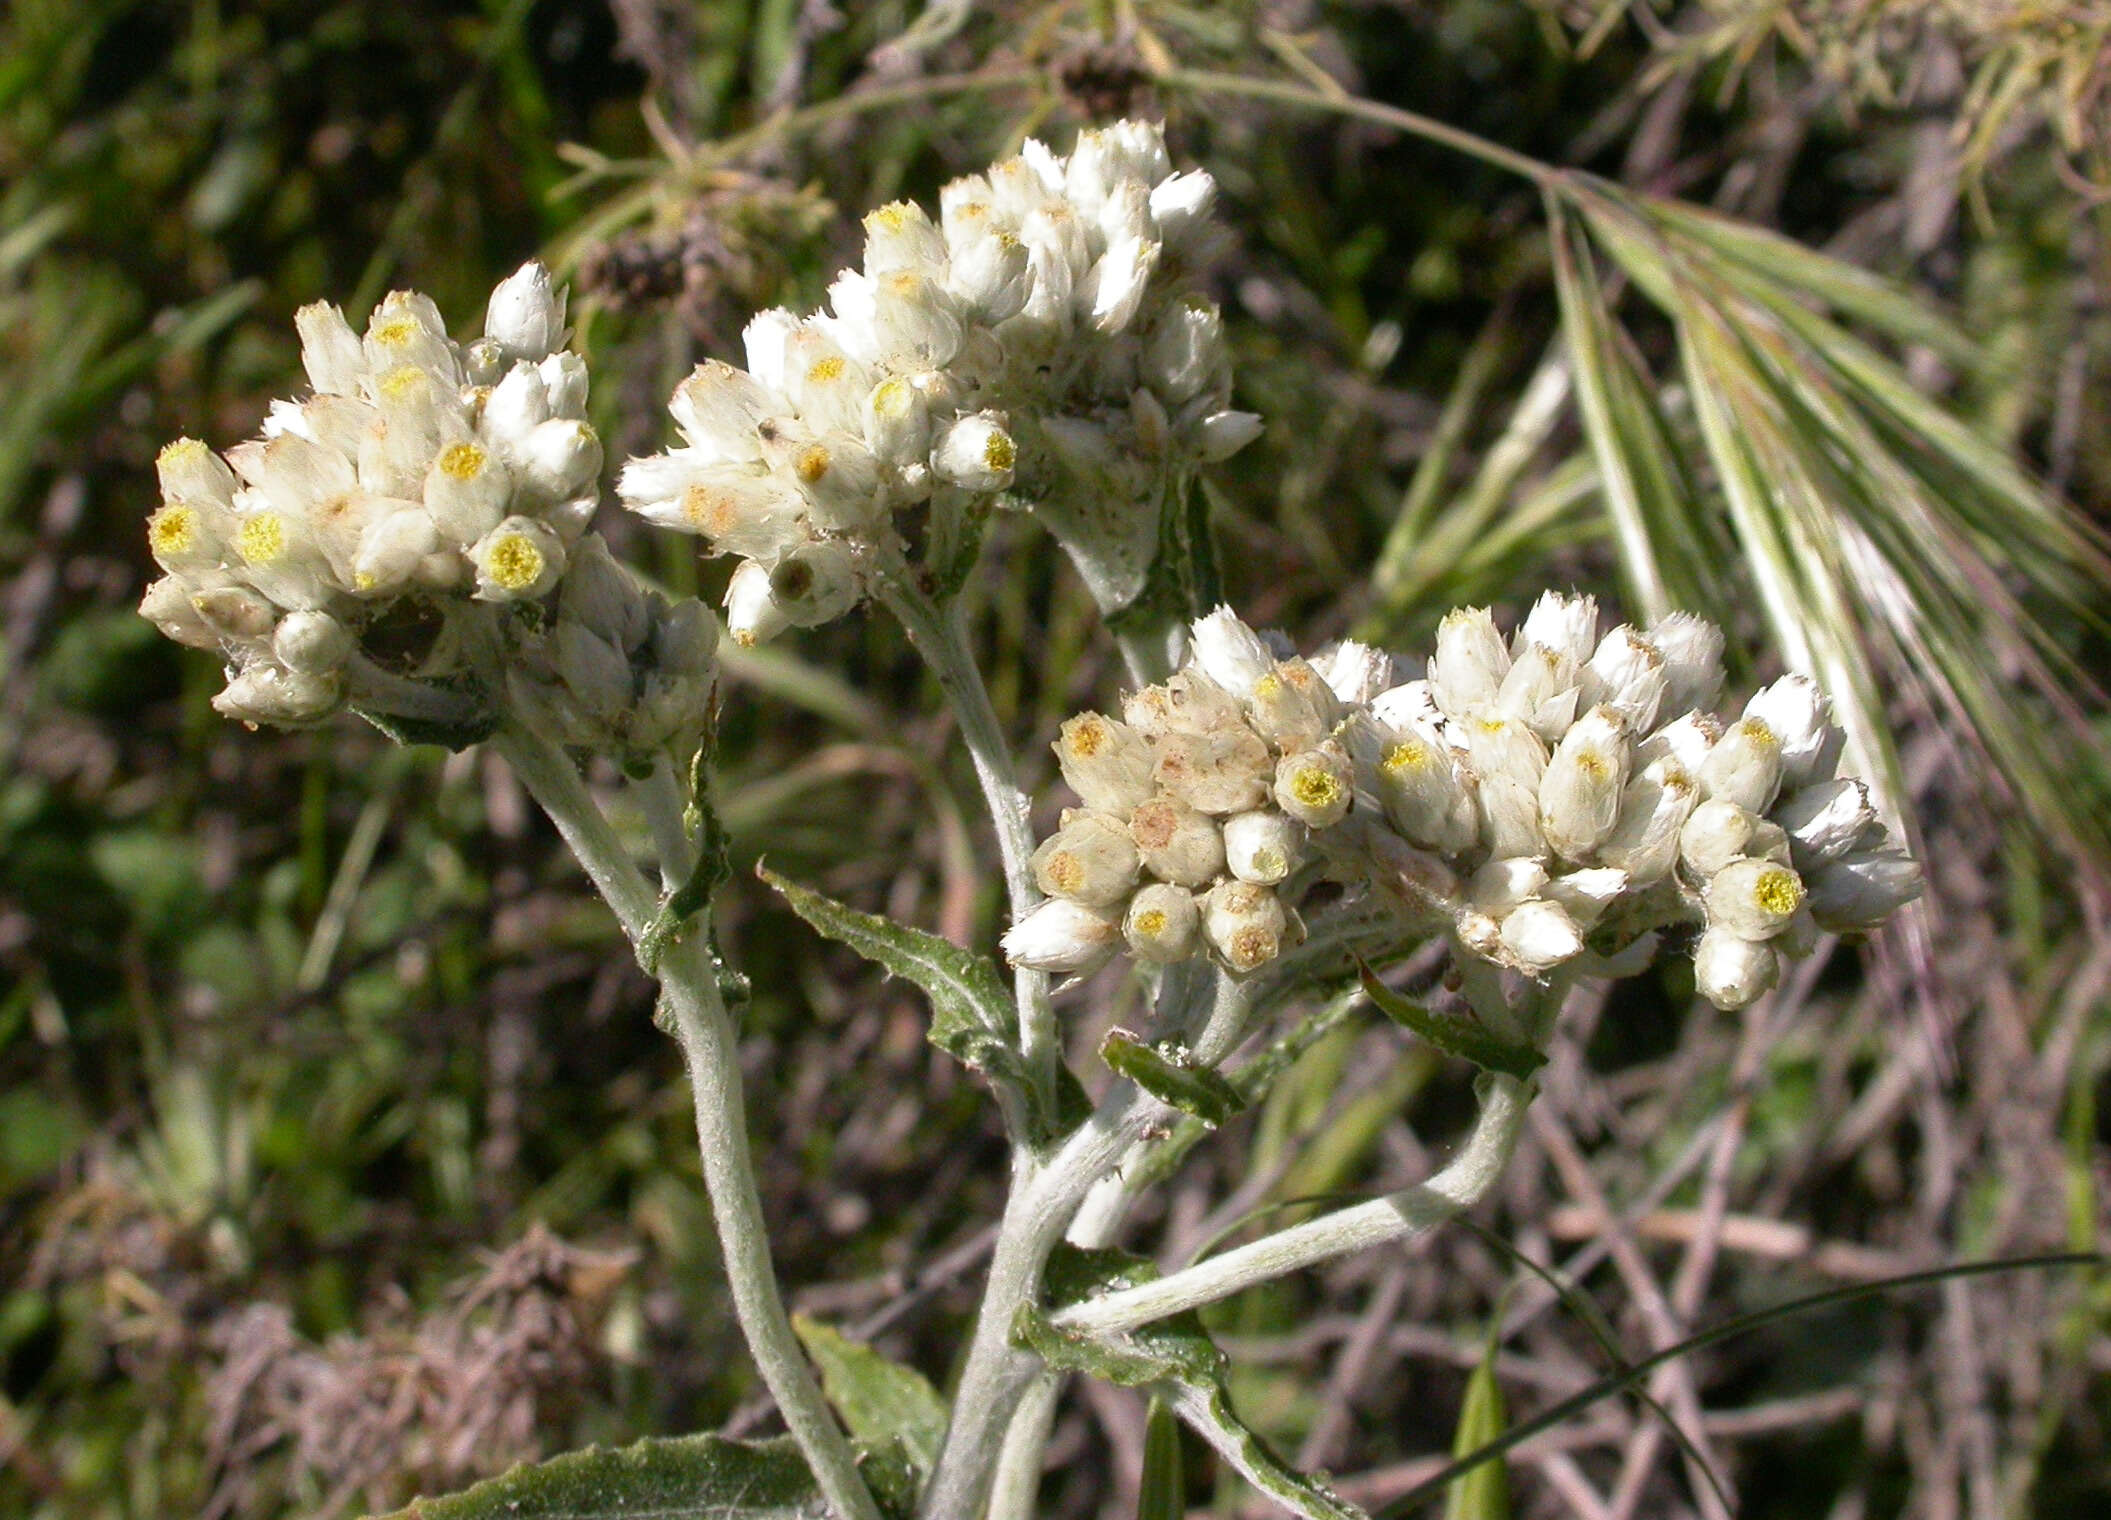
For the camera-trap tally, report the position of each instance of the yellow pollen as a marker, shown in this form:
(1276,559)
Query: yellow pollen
(1269,861)
(1409,755)
(904,283)
(1000,453)
(892,217)
(972,211)
(514,563)
(365,580)
(1756,730)
(1269,687)
(1316,787)
(463,461)
(1300,675)
(1779,892)
(1005,240)
(812,464)
(399,383)
(182,451)
(711,510)
(1151,922)
(1250,947)
(825,370)
(1593,764)
(173,530)
(262,539)
(893,399)
(1087,736)
(1066,873)
(395,332)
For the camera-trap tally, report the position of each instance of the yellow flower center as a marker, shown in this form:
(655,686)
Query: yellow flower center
(515,563)
(825,370)
(711,510)
(400,383)
(1757,731)
(172,530)
(1066,873)
(1250,947)
(1779,892)
(182,451)
(1151,922)
(262,539)
(812,464)
(395,332)
(463,461)
(1316,787)
(1000,453)
(1408,755)
(1594,763)
(893,399)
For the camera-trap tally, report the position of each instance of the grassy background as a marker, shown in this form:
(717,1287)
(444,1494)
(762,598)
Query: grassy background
(338,1156)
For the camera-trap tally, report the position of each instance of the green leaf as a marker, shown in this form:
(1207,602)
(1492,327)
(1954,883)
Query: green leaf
(972,1015)
(1453,1036)
(1177,1082)
(880,1401)
(1482,1493)
(1162,1491)
(454,736)
(694,1477)
(711,871)
(1176,1360)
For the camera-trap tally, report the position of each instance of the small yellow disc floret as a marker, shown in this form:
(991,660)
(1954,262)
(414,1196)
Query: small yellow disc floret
(463,461)
(173,530)
(1779,893)
(514,563)
(262,539)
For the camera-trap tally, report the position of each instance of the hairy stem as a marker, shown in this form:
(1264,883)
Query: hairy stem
(1410,1212)
(938,637)
(690,987)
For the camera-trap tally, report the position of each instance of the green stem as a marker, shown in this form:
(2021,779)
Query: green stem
(690,986)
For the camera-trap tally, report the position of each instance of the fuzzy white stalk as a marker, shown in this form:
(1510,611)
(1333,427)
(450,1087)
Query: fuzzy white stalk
(1410,1212)
(706,1035)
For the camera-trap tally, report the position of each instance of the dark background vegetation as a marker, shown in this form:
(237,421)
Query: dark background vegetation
(339,1159)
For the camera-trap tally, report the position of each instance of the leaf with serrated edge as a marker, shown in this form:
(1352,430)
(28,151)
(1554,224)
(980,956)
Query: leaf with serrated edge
(879,1400)
(695,1477)
(1192,1089)
(1453,1036)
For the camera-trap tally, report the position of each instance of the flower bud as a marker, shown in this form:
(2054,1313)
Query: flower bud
(1467,670)
(1481,933)
(1796,713)
(235,613)
(601,594)
(167,605)
(466,491)
(989,273)
(564,381)
(1826,820)
(184,535)
(266,692)
(1732,972)
(1162,924)
(1585,895)
(1245,924)
(393,548)
(897,422)
(1263,846)
(1222,434)
(1684,742)
(1409,706)
(976,453)
(526,313)
(1625,675)
(1177,843)
(1185,354)
(1579,795)
(1313,786)
(1566,626)
(1715,833)
(1744,767)
(1753,899)
(1107,764)
(1356,673)
(1501,885)
(752,613)
(1510,818)
(311,643)
(1692,648)
(1292,707)
(1062,937)
(1227,770)
(1540,690)
(816,583)
(684,639)
(559,458)
(1089,860)
(1187,702)
(1654,806)
(1230,653)
(1538,936)
(1863,889)
(519,560)
(515,408)
(597,673)
(330,350)
(718,409)
(1506,747)
(1181,203)
(1418,781)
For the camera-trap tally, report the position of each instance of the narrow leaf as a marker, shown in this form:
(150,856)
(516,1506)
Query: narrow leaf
(1483,1493)
(1162,1491)
(880,1400)
(1453,1036)
(1196,1090)
(696,1477)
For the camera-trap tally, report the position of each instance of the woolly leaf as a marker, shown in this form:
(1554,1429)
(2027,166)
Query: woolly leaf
(696,1477)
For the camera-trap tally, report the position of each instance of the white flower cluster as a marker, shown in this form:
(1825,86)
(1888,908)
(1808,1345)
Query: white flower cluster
(1041,333)
(1553,802)
(418,468)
